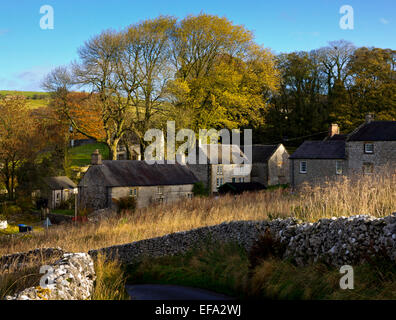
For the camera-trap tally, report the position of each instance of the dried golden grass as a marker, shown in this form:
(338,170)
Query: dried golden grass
(374,195)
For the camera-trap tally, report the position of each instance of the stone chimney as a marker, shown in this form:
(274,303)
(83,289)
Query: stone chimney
(369,117)
(96,158)
(334,129)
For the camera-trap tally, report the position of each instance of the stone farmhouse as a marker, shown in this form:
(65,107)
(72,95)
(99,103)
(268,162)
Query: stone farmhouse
(366,150)
(148,183)
(270,164)
(218,167)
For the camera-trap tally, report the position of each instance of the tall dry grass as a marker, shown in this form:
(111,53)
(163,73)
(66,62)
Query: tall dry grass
(374,195)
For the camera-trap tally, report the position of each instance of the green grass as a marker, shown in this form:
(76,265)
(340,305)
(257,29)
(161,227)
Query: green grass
(81,156)
(35,99)
(219,268)
(224,268)
(65,212)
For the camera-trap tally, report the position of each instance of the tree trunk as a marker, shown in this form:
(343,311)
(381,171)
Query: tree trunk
(113,149)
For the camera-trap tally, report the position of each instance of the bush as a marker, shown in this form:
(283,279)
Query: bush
(125,204)
(66,204)
(25,203)
(199,189)
(265,247)
(9,209)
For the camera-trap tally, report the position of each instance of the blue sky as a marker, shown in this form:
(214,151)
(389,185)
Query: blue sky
(27,52)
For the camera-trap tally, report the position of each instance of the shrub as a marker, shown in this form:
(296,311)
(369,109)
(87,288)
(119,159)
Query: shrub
(199,189)
(25,203)
(265,247)
(66,204)
(125,204)
(9,210)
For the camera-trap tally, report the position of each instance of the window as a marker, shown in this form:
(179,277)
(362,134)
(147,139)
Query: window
(369,148)
(303,167)
(241,180)
(133,192)
(233,180)
(160,189)
(338,167)
(160,200)
(368,168)
(219,182)
(189,195)
(219,170)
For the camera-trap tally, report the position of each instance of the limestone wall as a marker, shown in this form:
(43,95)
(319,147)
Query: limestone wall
(337,241)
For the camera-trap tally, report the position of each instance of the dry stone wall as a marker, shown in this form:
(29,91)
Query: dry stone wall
(337,241)
(70,278)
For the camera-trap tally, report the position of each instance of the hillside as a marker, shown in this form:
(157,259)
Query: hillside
(35,99)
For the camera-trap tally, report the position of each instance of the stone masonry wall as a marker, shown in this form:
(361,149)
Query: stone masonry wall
(337,241)
(384,155)
(72,278)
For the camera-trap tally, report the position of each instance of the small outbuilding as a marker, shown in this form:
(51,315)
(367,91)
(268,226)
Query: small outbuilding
(57,190)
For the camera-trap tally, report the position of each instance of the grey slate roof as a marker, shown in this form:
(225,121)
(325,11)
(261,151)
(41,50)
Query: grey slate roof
(375,131)
(261,152)
(59,183)
(333,149)
(124,173)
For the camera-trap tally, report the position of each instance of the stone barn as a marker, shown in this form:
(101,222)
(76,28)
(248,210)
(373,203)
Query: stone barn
(57,190)
(148,183)
(270,164)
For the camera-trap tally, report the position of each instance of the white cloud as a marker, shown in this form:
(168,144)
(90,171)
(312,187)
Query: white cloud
(384,21)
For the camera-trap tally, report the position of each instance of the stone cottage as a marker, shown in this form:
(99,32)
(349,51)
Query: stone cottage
(219,166)
(366,150)
(57,190)
(372,146)
(148,183)
(315,160)
(270,164)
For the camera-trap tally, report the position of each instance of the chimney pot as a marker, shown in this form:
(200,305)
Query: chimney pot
(334,129)
(96,158)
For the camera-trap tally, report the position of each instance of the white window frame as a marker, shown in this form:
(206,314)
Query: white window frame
(219,182)
(160,189)
(301,167)
(219,170)
(369,151)
(339,167)
(133,192)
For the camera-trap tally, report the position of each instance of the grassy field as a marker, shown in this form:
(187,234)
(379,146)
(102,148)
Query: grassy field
(81,156)
(373,195)
(34,99)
